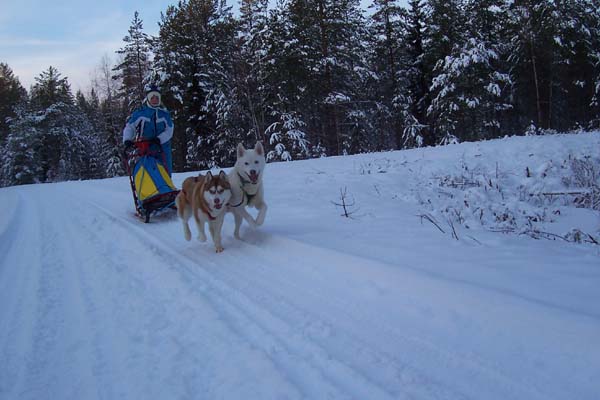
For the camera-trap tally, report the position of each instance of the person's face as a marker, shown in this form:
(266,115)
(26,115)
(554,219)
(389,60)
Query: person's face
(154,99)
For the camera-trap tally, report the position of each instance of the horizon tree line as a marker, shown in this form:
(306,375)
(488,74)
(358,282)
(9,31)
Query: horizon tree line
(313,78)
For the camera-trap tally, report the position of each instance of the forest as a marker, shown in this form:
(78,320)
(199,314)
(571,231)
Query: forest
(313,78)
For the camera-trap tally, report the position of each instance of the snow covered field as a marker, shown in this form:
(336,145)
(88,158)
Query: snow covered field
(95,304)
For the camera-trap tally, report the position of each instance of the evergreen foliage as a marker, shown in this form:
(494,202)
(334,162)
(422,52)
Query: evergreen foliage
(315,77)
(470,92)
(387,32)
(412,98)
(12,95)
(133,70)
(52,140)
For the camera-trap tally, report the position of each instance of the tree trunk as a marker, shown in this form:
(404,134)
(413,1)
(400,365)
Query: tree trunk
(536,82)
(329,116)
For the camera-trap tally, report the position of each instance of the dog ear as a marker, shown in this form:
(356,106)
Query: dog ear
(208,177)
(223,175)
(240,150)
(258,147)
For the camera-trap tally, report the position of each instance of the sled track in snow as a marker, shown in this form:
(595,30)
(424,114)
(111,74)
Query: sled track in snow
(247,319)
(267,286)
(257,321)
(21,280)
(258,306)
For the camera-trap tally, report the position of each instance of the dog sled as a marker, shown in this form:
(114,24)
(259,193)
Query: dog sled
(151,185)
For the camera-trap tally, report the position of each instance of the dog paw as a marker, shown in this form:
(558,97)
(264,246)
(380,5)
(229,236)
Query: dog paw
(188,236)
(219,249)
(202,238)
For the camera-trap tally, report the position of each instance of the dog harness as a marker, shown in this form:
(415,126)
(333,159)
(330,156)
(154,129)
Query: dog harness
(207,211)
(245,193)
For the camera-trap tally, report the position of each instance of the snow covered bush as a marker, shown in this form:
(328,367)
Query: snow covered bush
(473,195)
(585,176)
(287,138)
(377,166)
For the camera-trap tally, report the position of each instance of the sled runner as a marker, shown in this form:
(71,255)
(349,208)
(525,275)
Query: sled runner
(151,185)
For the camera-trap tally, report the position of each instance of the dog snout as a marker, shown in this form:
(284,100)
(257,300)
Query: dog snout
(217,200)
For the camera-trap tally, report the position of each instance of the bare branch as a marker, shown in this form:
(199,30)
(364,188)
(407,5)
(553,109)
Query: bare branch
(345,204)
(454,235)
(432,220)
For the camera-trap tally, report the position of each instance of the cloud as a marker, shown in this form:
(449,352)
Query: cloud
(70,35)
(103,26)
(77,61)
(28,42)
(75,52)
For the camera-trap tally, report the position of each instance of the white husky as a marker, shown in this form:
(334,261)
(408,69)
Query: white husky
(246,180)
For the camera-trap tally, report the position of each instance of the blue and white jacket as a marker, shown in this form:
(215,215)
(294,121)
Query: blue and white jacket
(149,122)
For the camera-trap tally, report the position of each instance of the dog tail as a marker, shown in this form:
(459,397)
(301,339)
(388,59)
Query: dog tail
(180,203)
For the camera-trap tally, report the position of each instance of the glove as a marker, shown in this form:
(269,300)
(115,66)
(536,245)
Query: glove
(128,144)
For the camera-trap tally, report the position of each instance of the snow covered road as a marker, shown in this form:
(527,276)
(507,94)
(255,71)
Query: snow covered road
(95,304)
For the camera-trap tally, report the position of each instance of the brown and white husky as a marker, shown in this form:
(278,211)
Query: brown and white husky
(204,197)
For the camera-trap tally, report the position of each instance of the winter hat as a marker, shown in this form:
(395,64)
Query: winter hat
(151,92)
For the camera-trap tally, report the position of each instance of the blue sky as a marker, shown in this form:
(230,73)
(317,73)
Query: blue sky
(70,35)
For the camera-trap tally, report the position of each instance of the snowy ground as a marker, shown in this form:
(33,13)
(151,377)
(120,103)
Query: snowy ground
(95,304)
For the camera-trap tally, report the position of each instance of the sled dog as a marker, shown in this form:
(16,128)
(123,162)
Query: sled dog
(246,179)
(204,197)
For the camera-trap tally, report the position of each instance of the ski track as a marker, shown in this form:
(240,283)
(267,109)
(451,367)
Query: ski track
(275,294)
(275,310)
(184,323)
(17,309)
(243,322)
(183,291)
(243,315)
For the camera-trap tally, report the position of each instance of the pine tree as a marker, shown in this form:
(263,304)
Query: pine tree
(470,89)
(532,60)
(386,26)
(99,148)
(52,141)
(229,123)
(286,78)
(194,58)
(20,161)
(51,100)
(353,78)
(287,138)
(50,89)
(12,95)
(593,11)
(260,75)
(386,36)
(134,68)
(446,33)
(329,51)
(292,67)
(446,28)
(576,40)
(178,66)
(250,64)
(112,116)
(413,97)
